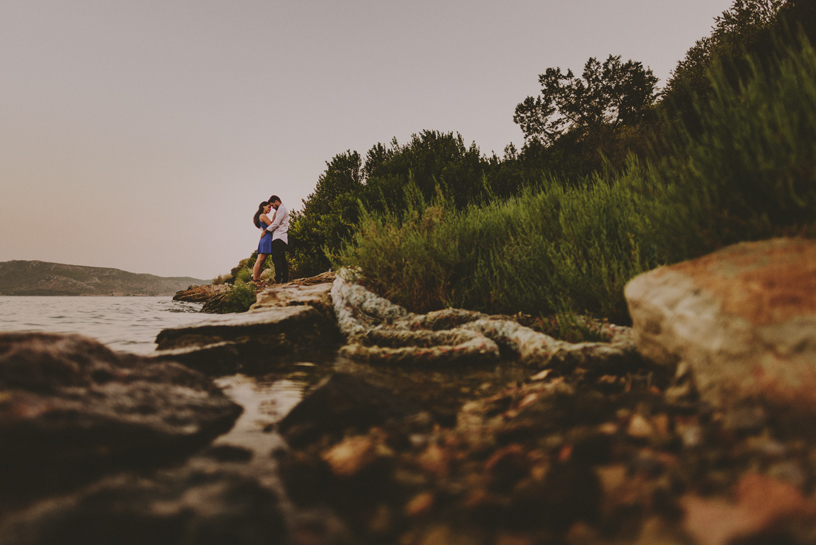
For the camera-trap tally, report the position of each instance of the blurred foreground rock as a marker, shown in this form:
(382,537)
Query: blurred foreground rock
(181,507)
(742,318)
(69,406)
(340,403)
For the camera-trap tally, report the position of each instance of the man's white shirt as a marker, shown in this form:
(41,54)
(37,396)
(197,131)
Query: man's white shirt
(280,225)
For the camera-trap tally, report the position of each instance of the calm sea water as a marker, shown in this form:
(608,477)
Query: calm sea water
(123,323)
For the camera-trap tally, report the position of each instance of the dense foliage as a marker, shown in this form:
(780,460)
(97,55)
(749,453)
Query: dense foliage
(571,248)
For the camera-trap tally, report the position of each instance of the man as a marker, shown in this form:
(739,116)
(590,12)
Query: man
(280,239)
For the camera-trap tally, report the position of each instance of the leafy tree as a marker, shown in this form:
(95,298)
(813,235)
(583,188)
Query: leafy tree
(430,159)
(749,28)
(610,93)
(328,215)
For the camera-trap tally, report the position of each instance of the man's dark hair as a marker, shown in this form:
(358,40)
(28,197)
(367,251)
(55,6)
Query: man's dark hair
(273,198)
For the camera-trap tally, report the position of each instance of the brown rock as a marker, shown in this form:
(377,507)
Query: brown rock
(351,455)
(743,319)
(420,504)
(201,294)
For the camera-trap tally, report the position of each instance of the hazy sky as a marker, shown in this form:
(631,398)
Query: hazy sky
(142,134)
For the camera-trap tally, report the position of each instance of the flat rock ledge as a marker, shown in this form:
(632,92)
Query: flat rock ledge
(742,319)
(378,331)
(286,321)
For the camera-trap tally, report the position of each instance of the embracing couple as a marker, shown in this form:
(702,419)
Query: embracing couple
(274,239)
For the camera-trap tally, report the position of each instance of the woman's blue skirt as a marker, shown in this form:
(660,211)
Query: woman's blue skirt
(265,245)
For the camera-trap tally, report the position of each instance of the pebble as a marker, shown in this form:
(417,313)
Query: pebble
(350,455)
(639,427)
(789,472)
(420,504)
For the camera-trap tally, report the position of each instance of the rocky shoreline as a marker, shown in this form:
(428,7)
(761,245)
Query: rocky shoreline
(452,427)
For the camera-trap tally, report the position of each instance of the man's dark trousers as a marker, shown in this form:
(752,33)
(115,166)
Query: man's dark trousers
(279,260)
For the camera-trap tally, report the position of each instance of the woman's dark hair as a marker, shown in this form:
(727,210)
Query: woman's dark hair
(256,219)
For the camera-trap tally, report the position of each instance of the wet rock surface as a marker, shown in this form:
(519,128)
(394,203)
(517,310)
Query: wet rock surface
(70,408)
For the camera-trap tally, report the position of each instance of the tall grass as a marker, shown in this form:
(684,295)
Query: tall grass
(549,250)
(751,173)
(559,249)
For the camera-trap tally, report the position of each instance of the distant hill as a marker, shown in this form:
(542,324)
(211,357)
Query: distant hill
(41,278)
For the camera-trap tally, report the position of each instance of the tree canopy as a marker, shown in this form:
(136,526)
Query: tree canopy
(611,93)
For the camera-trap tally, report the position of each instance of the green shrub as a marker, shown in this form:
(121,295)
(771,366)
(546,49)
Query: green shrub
(220,279)
(243,275)
(549,251)
(239,298)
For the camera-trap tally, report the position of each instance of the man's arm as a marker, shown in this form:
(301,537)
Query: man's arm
(278,219)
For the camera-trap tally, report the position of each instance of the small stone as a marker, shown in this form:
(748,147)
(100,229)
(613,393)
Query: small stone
(420,504)
(418,440)
(639,427)
(434,460)
(647,463)
(381,521)
(766,447)
(228,453)
(788,472)
(528,399)
(542,375)
(745,420)
(507,466)
(608,428)
(351,455)
(445,535)
(692,436)
(681,392)
(612,477)
(683,369)
(661,423)
(514,539)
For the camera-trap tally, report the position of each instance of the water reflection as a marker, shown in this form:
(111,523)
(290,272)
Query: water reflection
(266,400)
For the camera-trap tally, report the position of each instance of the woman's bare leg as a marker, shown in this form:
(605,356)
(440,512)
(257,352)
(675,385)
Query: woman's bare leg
(256,271)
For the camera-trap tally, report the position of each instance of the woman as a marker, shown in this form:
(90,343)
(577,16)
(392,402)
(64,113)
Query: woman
(262,221)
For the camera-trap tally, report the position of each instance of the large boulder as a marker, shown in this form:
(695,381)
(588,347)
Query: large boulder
(743,318)
(69,405)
